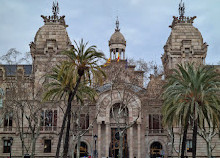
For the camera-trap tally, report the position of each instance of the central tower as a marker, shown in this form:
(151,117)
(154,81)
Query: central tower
(117,44)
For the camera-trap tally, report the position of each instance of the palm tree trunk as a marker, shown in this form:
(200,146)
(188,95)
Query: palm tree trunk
(62,130)
(68,110)
(194,140)
(61,135)
(71,96)
(66,143)
(184,139)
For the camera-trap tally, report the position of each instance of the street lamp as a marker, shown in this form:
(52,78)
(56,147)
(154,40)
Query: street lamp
(11,142)
(95,138)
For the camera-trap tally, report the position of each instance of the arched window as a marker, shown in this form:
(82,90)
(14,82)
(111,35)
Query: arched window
(156,150)
(119,111)
(83,150)
(1,97)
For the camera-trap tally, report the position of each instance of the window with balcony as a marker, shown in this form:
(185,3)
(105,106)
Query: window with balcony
(49,120)
(155,123)
(8,120)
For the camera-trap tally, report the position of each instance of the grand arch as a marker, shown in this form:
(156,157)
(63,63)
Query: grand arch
(105,102)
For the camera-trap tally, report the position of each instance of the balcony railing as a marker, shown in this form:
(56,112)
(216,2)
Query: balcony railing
(156,131)
(48,128)
(7,128)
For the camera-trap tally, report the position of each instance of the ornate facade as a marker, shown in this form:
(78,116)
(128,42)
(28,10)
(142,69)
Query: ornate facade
(144,135)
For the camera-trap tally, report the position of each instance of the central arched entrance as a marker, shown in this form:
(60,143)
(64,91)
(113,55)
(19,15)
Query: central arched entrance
(83,150)
(156,150)
(115,144)
(118,119)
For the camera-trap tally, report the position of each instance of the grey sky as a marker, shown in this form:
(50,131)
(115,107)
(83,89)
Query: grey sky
(144,23)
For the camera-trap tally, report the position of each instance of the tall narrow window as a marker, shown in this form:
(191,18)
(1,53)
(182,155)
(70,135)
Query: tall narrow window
(49,120)
(8,122)
(47,146)
(155,123)
(84,121)
(7,146)
(189,145)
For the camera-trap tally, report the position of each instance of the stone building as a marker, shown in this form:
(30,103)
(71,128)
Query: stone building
(146,136)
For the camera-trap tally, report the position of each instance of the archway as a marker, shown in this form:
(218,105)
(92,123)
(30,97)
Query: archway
(115,142)
(83,150)
(156,150)
(118,117)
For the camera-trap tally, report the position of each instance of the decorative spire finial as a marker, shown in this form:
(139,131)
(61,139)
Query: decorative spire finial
(155,70)
(117,25)
(181,9)
(55,9)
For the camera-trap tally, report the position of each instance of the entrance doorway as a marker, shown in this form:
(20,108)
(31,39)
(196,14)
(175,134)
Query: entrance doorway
(83,150)
(156,150)
(115,144)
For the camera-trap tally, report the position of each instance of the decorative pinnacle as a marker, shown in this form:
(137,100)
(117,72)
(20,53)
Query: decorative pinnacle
(181,9)
(117,25)
(55,9)
(155,70)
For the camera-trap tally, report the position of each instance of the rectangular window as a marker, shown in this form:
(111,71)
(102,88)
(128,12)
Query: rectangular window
(189,145)
(8,122)
(47,146)
(7,146)
(84,121)
(155,123)
(49,120)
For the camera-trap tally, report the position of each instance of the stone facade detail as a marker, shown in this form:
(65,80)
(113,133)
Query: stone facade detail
(185,44)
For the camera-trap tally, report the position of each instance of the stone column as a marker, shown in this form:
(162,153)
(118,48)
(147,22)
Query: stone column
(99,140)
(131,143)
(107,136)
(139,141)
(124,55)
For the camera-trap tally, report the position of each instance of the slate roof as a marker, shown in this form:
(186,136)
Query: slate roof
(11,70)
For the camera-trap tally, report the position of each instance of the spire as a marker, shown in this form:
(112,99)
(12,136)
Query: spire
(55,9)
(181,9)
(155,70)
(117,25)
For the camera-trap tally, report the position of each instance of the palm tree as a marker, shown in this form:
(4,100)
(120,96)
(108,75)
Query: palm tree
(175,115)
(82,64)
(192,94)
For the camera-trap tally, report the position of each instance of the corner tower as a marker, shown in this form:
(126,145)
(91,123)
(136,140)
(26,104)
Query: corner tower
(52,37)
(50,40)
(117,44)
(185,43)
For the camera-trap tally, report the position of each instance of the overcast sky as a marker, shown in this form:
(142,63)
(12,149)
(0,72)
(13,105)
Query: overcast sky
(144,23)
